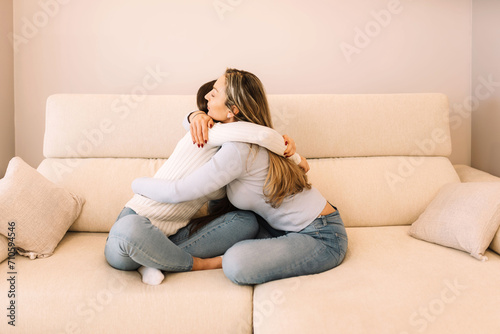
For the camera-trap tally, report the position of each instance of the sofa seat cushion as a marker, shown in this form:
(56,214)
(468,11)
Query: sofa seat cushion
(76,291)
(389,282)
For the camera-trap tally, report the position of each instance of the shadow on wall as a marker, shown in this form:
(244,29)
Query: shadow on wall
(494,162)
(486,149)
(494,116)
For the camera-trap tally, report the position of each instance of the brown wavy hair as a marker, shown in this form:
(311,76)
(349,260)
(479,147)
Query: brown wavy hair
(201,102)
(245,91)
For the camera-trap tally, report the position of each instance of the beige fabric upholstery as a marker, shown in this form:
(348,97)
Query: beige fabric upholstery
(388,194)
(379,158)
(389,282)
(40,211)
(104,183)
(469,174)
(411,128)
(356,125)
(463,216)
(377,191)
(114,126)
(76,291)
(323,125)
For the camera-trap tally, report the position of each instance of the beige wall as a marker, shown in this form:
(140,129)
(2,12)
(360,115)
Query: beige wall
(361,46)
(486,68)
(6,87)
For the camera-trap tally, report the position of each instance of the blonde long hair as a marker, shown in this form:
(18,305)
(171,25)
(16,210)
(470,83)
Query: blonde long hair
(245,91)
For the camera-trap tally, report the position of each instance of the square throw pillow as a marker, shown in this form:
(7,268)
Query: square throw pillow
(463,216)
(35,209)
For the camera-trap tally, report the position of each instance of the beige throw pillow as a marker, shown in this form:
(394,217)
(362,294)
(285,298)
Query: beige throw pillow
(39,212)
(463,216)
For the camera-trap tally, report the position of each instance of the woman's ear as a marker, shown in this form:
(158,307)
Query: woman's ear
(235,110)
(232,112)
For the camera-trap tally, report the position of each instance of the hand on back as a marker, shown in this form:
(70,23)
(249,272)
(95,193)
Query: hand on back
(199,125)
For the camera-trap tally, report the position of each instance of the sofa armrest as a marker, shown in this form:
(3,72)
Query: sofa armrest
(4,253)
(470,174)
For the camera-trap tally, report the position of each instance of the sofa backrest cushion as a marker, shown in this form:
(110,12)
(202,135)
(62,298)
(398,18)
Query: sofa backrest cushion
(103,182)
(324,126)
(379,158)
(381,191)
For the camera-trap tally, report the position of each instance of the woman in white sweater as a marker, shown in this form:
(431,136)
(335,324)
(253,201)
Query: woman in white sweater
(150,236)
(310,235)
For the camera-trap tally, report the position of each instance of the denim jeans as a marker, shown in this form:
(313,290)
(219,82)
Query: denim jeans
(133,241)
(318,247)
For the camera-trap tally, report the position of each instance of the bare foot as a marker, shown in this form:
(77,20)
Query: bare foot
(206,264)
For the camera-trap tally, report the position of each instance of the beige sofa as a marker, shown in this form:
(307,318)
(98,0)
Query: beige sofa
(381,159)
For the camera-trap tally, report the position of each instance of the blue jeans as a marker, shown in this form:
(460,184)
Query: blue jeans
(318,247)
(133,241)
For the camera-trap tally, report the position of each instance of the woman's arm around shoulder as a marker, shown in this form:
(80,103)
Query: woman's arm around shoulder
(251,133)
(225,166)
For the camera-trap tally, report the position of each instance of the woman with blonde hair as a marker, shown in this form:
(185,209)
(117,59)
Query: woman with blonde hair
(309,235)
(152,237)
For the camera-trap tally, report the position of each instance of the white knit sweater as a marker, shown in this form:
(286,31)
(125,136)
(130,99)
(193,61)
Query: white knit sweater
(187,157)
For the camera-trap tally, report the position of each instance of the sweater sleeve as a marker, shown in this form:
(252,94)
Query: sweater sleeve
(185,121)
(250,133)
(225,166)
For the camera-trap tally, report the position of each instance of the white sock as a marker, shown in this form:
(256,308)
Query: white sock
(151,276)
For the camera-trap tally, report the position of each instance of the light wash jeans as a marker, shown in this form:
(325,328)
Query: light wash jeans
(133,241)
(318,247)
